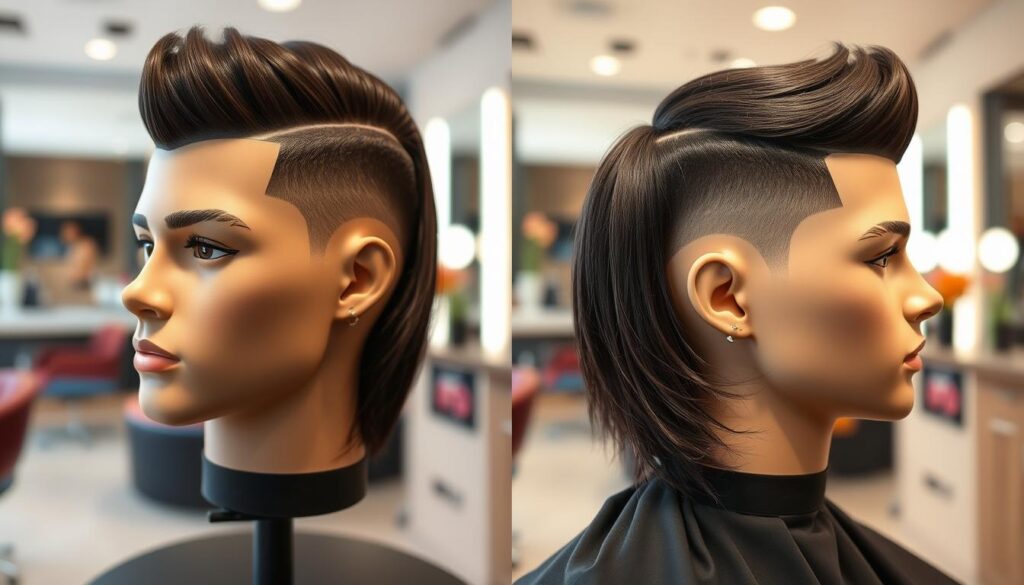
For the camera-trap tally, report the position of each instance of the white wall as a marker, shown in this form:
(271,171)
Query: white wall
(983,53)
(455,77)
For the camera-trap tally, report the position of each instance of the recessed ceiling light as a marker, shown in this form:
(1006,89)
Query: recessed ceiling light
(101,49)
(605,65)
(1014,132)
(774,18)
(742,62)
(279,5)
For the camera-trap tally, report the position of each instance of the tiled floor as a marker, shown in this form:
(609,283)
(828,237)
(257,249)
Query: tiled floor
(563,477)
(72,512)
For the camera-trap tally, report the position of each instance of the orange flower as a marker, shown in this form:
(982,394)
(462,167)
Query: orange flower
(950,286)
(18,223)
(449,280)
(537,227)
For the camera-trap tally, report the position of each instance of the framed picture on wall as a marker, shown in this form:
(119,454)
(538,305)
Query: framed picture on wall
(453,395)
(942,394)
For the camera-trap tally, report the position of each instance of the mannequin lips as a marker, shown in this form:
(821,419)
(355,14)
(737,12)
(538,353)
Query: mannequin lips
(150,357)
(913,361)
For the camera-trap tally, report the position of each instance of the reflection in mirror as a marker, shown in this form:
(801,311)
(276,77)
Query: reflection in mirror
(460,276)
(999,253)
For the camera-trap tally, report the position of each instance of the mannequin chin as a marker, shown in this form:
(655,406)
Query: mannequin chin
(823,338)
(259,321)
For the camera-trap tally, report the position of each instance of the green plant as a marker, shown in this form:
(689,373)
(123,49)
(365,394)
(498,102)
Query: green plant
(10,256)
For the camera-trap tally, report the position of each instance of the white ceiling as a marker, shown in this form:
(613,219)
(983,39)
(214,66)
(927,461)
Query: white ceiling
(676,41)
(56,100)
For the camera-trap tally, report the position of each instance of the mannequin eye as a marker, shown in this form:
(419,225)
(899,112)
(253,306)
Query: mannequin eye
(884,258)
(147,248)
(206,250)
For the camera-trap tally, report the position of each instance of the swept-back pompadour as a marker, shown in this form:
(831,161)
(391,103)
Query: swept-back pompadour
(739,151)
(349,148)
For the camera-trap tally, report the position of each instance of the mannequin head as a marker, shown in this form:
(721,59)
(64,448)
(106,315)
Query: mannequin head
(287,223)
(765,199)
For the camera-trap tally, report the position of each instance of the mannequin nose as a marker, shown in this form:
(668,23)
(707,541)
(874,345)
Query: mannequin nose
(144,299)
(925,304)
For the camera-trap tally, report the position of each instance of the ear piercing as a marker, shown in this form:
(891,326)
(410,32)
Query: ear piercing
(729,337)
(354,318)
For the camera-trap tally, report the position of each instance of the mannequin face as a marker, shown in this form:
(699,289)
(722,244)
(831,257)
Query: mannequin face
(830,334)
(245,306)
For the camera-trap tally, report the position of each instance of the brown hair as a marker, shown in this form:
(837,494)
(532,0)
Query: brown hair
(751,164)
(349,148)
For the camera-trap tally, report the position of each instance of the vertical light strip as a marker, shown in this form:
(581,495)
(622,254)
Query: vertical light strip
(437,142)
(495,223)
(960,148)
(911,172)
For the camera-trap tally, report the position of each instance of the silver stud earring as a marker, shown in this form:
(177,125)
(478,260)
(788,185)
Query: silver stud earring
(354,317)
(734,330)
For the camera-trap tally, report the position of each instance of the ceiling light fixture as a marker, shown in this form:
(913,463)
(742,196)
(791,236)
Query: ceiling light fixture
(774,18)
(101,49)
(278,5)
(605,65)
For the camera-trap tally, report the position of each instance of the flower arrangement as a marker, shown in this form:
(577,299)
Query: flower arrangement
(539,233)
(950,286)
(451,284)
(18,230)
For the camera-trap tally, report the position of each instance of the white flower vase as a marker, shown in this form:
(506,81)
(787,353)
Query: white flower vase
(10,290)
(529,290)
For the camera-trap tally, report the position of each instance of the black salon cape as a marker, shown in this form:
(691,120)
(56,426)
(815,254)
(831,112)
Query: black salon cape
(767,530)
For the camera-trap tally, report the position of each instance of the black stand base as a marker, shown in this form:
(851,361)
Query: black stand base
(320,559)
(271,555)
(272,500)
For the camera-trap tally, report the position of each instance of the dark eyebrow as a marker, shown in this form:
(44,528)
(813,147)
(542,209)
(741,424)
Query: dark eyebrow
(187,217)
(140,220)
(901,228)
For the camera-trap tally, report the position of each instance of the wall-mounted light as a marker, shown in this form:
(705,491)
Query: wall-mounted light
(1014,132)
(911,174)
(605,65)
(437,143)
(742,63)
(954,257)
(495,223)
(456,247)
(101,49)
(998,250)
(279,5)
(774,18)
(922,249)
(959,242)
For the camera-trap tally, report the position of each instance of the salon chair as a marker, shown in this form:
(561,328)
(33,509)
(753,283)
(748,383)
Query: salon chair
(166,461)
(525,387)
(75,373)
(18,391)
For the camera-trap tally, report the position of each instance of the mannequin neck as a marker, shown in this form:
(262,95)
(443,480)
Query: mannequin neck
(302,430)
(290,495)
(787,439)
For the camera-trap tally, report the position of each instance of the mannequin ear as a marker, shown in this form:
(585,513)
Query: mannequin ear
(715,288)
(368,270)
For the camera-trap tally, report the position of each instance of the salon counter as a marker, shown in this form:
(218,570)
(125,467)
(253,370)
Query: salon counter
(458,462)
(962,484)
(25,331)
(61,321)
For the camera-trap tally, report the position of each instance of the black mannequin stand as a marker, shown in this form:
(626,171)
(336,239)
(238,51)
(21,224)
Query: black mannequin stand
(272,500)
(272,555)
